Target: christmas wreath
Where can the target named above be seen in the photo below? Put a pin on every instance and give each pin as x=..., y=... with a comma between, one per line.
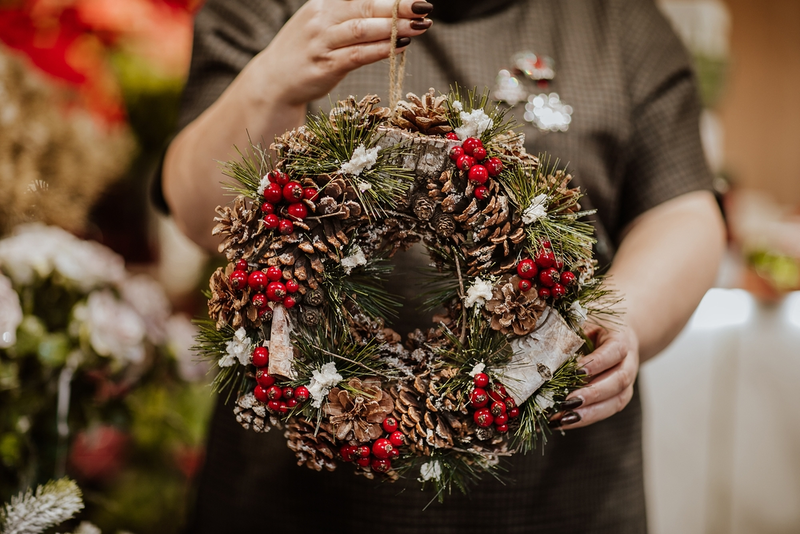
x=298, y=318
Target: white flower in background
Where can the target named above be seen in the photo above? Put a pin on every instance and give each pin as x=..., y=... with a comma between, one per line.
x=147, y=297
x=263, y=184
x=578, y=312
x=430, y=471
x=477, y=369
x=239, y=348
x=473, y=124
x=10, y=313
x=321, y=383
x=180, y=334
x=113, y=327
x=355, y=259
x=535, y=210
x=362, y=160
x=478, y=293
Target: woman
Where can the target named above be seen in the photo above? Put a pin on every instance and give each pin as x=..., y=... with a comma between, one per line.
x=633, y=144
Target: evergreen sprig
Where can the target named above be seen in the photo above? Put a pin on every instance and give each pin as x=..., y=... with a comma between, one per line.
x=459, y=470
x=34, y=512
x=472, y=100
x=248, y=171
x=211, y=345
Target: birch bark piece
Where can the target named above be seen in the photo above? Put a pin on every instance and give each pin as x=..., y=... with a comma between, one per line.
x=538, y=355
x=281, y=351
x=427, y=156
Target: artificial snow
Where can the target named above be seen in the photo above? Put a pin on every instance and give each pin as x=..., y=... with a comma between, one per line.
x=264, y=184
x=430, y=471
x=321, y=383
x=473, y=124
x=363, y=159
x=477, y=369
x=478, y=293
x=355, y=259
x=535, y=210
x=578, y=312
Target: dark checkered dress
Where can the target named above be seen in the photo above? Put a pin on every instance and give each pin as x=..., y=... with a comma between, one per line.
x=633, y=143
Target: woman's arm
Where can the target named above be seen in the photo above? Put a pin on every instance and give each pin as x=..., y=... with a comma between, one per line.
x=666, y=262
x=322, y=42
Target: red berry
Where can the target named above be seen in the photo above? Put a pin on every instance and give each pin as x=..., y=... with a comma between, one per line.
x=291, y=403
x=452, y=136
x=346, y=451
x=481, y=380
x=259, y=300
x=273, y=193
x=558, y=264
x=478, y=173
x=265, y=313
x=483, y=417
x=382, y=448
x=271, y=221
x=310, y=193
x=494, y=166
x=502, y=428
x=272, y=177
x=478, y=398
x=501, y=419
x=283, y=407
x=545, y=258
x=363, y=462
x=261, y=357
x=267, y=208
x=394, y=454
x=397, y=438
x=513, y=413
x=241, y=265
x=297, y=210
x=264, y=379
x=546, y=244
x=276, y=291
x=260, y=393
x=285, y=227
x=273, y=405
x=525, y=285
x=301, y=393
x=279, y=177
x=510, y=403
x=381, y=465
x=558, y=291
x=363, y=451
x=498, y=408
x=526, y=268
x=274, y=274
x=456, y=152
x=495, y=396
x=465, y=162
x=544, y=293
x=257, y=280
x=293, y=192
x=469, y=144
x=501, y=389
x=238, y=279
x=289, y=302
x=481, y=192
x=568, y=278
x=292, y=286
x=288, y=392
x=274, y=393
x=479, y=153
x=389, y=424
x=548, y=277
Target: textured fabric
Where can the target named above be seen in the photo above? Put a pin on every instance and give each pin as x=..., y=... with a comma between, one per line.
x=633, y=144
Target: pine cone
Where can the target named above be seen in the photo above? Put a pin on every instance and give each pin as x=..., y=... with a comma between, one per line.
x=314, y=449
x=358, y=415
x=229, y=306
x=427, y=115
x=250, y=413
x=241, y=226
x=364, y=112
x=512, y=311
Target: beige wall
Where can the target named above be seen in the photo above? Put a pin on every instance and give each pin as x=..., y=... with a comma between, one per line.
x=760, y=110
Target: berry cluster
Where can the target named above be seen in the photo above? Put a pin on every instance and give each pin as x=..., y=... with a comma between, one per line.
x=549, y=271
x=380, y=454
x=278, y=400
x=268, y=286
x=493, y=406
x=470, y=157
x=284, y=197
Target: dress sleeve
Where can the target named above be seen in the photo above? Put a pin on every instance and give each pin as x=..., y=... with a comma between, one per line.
x=664, y=158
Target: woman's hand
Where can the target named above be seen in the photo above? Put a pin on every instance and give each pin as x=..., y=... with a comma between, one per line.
x=612, y=369
x=326, y=39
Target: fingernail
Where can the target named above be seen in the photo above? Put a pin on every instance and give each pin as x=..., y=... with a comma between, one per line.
x=421, y=24
x=555, y=423
x=571, y=404
x=421, y=8
x=570, y=418
x=403, y=41
x=581, y=371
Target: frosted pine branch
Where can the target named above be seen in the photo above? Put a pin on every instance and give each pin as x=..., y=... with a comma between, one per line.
x=32, y=513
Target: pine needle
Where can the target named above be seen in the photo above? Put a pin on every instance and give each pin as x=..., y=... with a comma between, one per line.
x=34, y=512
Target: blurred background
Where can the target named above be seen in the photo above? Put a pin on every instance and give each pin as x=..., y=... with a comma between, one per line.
x=88, y=99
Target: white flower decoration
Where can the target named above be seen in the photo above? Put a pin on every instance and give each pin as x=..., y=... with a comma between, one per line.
x=362, y=160
x=263, y=184
x=355, y=259
x=535, y=210
x=478, y=293
x=477, y=369
x=322, y=382
x=430, y=471
x=473, y=124
x=10, y=313
x=147, y=297
x=239, y=348
x=113, y=327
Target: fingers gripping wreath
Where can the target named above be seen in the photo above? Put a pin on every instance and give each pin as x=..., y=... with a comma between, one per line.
x=298, y=318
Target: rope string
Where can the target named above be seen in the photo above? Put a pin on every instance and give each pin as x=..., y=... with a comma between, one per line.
x=396, y=69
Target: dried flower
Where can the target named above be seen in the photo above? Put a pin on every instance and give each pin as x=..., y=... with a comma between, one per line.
x=360, y=409
x=10, y=313
x=239, y=348
x=479, y=292
x=535, y=210
x=321, y=383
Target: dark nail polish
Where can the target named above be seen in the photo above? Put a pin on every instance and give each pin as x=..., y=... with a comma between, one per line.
x=421, y=8
x=555, y=423
x=571, y=404
x=570, y=417
x=420, y=24
x=581, y=371
x=403, y=41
